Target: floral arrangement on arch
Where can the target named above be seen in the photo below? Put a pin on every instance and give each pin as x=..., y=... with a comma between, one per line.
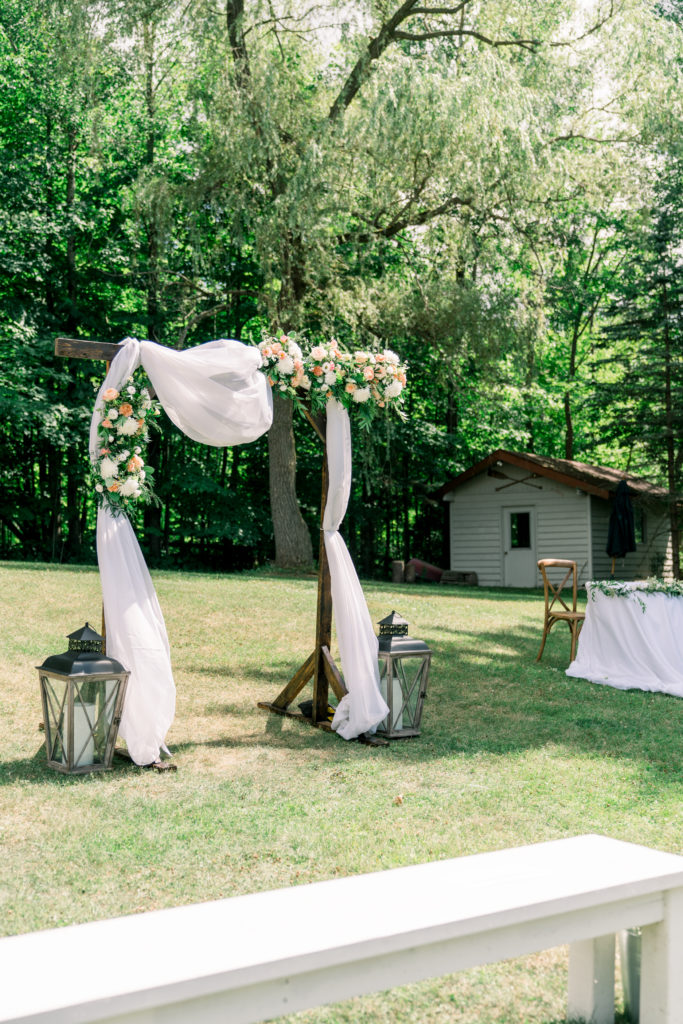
x=367, y=381
x=120, y=476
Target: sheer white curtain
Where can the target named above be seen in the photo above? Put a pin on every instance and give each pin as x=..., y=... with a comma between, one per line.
x=363, y=708
x=216, y=394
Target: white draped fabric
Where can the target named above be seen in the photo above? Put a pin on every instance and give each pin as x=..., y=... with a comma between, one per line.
x=630, y=647
x=363, y=708
x=217, y=395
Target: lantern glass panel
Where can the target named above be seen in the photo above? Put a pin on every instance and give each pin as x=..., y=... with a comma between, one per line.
x=55, y=691
x=392, y=695
x=410, y=672
x=403, y=682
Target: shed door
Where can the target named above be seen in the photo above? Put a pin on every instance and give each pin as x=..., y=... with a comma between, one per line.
x=519, y=547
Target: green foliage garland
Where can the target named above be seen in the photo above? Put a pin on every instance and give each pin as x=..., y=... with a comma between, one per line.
x=654, y=585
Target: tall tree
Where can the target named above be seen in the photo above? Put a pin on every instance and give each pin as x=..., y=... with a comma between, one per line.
x=645, y=367
x=340, y=138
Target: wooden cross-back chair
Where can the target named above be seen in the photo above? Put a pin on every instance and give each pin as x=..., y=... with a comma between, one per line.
x=556, y=608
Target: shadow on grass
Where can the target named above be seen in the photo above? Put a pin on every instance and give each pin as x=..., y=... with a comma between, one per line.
x=35, y=770
x=488, y=694
x=437, y=590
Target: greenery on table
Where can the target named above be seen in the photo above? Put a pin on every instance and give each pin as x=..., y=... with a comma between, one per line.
x=190, y=171
x=617, y=588
x=511, y=752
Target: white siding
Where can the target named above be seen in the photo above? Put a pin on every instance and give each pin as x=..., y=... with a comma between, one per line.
x=653, y=557
x=561, y=514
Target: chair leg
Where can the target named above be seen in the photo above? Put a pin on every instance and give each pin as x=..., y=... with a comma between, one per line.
x=546, y=630
x=574, y=626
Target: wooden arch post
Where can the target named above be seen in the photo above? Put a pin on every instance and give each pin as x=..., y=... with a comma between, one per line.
x=320, y=665
x=79, y=348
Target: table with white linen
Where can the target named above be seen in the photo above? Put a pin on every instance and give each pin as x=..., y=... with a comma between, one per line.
x=633, y=641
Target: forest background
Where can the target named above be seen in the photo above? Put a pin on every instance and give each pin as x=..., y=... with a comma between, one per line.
x=492, y=189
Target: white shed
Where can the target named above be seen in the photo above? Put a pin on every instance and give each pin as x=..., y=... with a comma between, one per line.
x=513, y=508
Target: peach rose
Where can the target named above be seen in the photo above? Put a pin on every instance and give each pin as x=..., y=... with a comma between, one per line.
x=113, y=486
x=135, y=463
x=107, y=423
x=126, y=409
x=110, y=394
x=318, y=371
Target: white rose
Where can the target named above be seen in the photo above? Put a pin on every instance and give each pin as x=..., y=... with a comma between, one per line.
x=137, y=449
x=294, y=350
x=130, y=390
x=127, y=426
x=325, y=387
x=361, y=394
x=389, y=356
x=128, y=487
x=318, y=352
x=113, y=414
x=305, y=383
x=286, y=366
x=394, y=389
x=108, y=468
x=142, y=474
x=99, y=488
x=331, y=378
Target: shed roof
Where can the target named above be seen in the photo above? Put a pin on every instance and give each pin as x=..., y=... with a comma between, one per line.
x=599, y=480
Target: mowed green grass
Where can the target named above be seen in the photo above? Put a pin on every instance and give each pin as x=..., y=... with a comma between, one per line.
x=511, y=752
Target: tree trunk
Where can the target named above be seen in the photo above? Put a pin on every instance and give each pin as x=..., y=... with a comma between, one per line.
x=670, y=445
x=293, y=548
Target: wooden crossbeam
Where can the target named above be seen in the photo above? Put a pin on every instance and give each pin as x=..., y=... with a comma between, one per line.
x=82, y=348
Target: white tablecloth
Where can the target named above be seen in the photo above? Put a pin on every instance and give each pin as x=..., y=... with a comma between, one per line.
x=625, y=645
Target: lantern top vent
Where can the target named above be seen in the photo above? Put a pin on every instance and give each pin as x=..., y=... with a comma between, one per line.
x=86, y=639
x=393, y=625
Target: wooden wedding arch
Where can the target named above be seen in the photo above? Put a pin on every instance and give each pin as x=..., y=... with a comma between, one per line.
x=320, y=666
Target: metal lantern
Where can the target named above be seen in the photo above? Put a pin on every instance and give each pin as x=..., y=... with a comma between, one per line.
x=82, y=692
x=403, y=675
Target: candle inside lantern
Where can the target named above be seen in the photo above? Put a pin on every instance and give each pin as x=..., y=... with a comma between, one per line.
x=84, y=744
x=395, y=704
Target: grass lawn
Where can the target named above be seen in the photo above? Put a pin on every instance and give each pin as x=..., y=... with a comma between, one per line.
x=511, y=752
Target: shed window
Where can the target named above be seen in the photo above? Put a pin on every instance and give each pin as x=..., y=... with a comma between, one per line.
x=520, y=530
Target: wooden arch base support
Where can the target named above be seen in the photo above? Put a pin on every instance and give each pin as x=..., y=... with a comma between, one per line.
x=319, y=665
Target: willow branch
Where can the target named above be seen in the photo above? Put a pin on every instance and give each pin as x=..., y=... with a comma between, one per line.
x=590, y=31
x=416, y=37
